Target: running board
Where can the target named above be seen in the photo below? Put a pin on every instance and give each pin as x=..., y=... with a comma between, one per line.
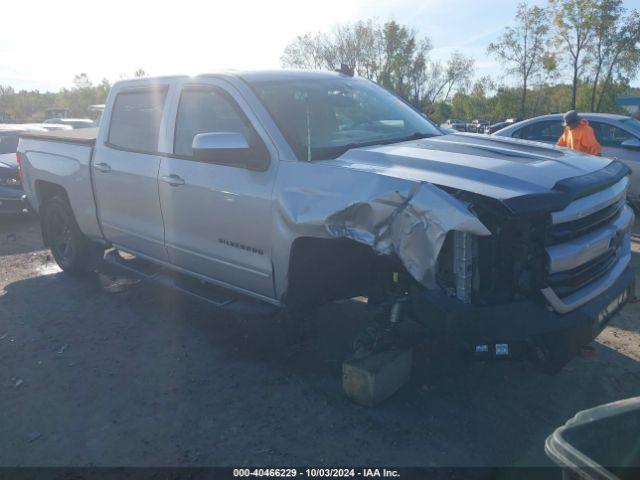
x=213, y=295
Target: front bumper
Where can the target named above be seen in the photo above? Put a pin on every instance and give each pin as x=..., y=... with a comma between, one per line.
x=12, y=201
x=525, y=328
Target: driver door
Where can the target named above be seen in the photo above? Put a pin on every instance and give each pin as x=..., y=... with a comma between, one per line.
x=218, y=217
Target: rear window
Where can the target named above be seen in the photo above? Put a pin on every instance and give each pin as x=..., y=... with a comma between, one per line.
x=135, y=120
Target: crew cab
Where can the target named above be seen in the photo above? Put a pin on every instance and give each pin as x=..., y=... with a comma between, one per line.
x=293, y=188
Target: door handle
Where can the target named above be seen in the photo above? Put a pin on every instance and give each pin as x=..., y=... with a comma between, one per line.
x=173, y=180
x=102, y=167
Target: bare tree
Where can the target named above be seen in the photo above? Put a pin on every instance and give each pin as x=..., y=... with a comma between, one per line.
x=522, y=47
x=456, y=75
x=574, y=22
x=306, y=52
x=390, y=54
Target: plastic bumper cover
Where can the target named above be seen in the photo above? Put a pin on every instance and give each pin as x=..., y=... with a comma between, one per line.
x=12, y=200
x=521, y=325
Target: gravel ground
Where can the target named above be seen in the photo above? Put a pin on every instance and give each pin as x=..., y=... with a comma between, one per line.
x=106, y=371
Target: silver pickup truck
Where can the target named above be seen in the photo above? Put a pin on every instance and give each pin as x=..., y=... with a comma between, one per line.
x=295, y=188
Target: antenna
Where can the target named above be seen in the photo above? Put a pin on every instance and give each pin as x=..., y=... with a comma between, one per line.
x=345, y=70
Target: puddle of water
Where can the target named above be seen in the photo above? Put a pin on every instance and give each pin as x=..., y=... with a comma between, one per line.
x=117, y=284
x=49, y=269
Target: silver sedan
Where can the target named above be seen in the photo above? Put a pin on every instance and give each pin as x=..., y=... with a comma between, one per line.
x=618, y=135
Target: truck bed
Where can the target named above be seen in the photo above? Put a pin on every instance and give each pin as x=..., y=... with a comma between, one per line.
x=84, y=136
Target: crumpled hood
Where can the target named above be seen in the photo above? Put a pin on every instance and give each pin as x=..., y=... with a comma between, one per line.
x=495, y=167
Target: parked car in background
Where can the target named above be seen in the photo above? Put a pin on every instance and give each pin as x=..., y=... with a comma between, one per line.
x=455, y=124
x=494, y=127
x=72, y=122
x=500, y=125
x=11, y=194
x=97, y=111
x=477, y=126
x=49, y=127
x=619, y=136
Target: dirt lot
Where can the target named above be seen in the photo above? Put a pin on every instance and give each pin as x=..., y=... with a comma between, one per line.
x=106, y=371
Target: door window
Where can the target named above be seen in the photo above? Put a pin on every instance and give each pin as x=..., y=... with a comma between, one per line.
x=209, y=110
x=608, y=135
x=548, y=131
x=135, y=120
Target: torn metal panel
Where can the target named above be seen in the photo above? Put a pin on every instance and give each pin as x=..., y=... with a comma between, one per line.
x=412, y=225
x=398, y=216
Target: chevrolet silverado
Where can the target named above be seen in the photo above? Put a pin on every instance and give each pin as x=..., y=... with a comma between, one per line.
x=291, y=188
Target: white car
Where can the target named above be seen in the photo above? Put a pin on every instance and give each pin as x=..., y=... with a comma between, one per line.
x=71, y=122
x=619, y=136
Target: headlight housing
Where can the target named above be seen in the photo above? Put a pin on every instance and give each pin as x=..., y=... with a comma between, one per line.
x=10, y=180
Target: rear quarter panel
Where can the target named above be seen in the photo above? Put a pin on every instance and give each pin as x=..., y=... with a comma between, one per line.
x=65, y=164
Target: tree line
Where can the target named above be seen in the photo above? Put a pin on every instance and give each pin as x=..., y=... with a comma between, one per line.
x=594, y=45
x=31, y=105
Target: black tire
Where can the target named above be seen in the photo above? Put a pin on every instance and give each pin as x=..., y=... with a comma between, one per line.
x=72, y=251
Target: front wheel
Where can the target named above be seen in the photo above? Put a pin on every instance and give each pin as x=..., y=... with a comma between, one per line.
x=72, y=251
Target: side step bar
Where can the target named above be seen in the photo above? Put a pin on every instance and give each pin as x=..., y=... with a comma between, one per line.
x=211, y=294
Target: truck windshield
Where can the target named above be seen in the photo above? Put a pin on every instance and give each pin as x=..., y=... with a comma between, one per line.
x=322, y=119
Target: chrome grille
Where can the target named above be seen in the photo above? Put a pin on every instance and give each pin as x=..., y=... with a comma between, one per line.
x=588, y=247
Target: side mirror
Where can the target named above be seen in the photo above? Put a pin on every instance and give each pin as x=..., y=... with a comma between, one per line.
x=227, y=148
x=632, y=143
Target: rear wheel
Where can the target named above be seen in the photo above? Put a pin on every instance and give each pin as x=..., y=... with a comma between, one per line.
x=72, y=251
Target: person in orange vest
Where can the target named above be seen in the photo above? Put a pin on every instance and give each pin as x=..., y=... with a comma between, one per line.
x=578, y=135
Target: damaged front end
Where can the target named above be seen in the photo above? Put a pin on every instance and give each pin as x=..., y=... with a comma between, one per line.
x=412, y=226
x=465, y=266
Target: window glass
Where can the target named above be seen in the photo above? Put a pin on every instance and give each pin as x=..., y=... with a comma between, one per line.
x=207, y=110
x=634, y=123
x=608, y=135
x=135, y=120
x=9, y=143
x=322, y=119
x=549, y=131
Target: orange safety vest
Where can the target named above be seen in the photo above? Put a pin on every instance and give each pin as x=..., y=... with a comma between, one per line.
x=581, y=138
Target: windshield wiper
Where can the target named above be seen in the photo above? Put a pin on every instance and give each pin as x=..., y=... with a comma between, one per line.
x=335, y=152
x=413, y=136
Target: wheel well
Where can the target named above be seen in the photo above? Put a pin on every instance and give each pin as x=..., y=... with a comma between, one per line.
x=48, y=190
x=322, y=270
x=44, y=192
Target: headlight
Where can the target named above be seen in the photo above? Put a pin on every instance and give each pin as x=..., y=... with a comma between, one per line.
x=10, y=181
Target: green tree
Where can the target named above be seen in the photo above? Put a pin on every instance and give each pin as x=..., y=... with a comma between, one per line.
x=616, y=49
x=522, y=47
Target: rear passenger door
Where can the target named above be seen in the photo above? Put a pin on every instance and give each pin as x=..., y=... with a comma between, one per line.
x=125, y=171
x=611, y=138
x=218, y=217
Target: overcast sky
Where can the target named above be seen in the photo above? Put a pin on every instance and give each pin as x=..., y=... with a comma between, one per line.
x=44, y=43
